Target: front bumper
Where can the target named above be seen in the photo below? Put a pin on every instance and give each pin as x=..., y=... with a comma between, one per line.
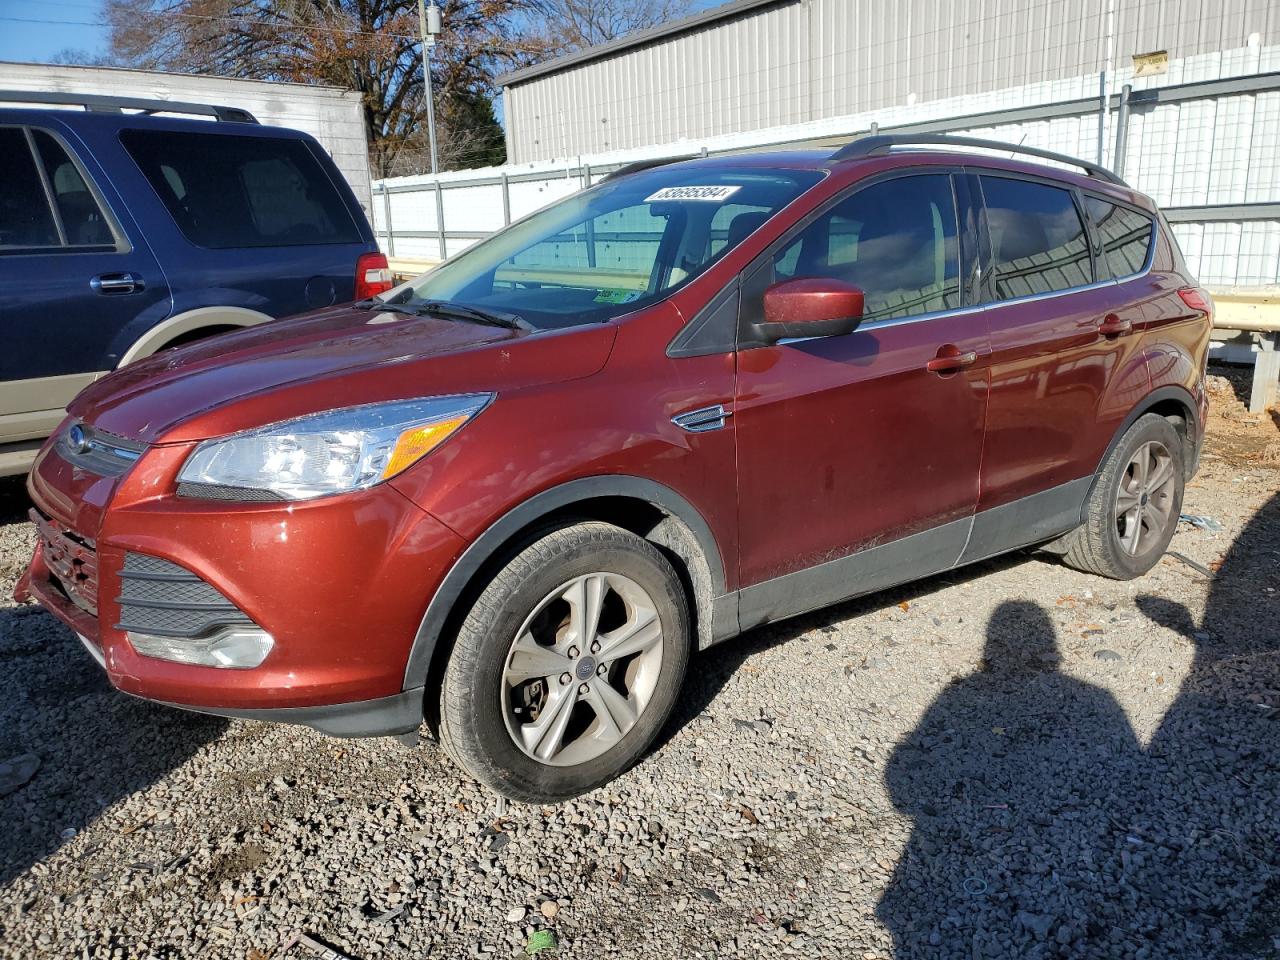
x=399, y=715
x=340, y=583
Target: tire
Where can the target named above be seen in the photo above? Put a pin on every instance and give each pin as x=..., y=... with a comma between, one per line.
x=538, y=738
x=1106, y=543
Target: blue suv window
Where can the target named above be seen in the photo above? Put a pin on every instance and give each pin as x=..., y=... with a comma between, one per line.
x=45, y=203
x=227, y=191
x=82, y=219
x=26, y=221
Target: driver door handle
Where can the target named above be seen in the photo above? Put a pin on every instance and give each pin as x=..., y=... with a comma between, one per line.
x=950, y=359
x=116, y=283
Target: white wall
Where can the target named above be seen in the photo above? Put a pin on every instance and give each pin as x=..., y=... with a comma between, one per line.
x=796, y=62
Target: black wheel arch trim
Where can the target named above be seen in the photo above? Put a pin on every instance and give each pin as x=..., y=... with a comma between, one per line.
x=1179, y=393
x=485, y=546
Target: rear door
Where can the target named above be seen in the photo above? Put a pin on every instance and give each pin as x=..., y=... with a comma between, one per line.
x=73, y=274
x=1065, y=364
x=258, y=220
x=858, y=464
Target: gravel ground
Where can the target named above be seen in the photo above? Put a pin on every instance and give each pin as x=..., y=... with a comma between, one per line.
x=1014, y=760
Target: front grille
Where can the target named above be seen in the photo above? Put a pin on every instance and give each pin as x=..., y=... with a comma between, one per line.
x=72, y=561
x=98, y=451
x=161, y=598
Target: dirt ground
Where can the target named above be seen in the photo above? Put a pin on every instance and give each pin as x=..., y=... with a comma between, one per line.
x=1010, y=760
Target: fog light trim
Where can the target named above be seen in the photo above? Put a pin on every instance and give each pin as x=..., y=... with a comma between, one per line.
x=231, y=648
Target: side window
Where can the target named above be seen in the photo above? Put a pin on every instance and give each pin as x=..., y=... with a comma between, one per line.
x=1038, y=244
x=228, y=190
x=1126, y=235
x=82, y=218
x=25, y=218
x=896, y=240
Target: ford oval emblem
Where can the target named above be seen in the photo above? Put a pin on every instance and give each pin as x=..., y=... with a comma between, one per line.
x=77, y=439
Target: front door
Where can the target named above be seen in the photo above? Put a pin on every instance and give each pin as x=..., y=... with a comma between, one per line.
x=70, y=281
x=859, y=455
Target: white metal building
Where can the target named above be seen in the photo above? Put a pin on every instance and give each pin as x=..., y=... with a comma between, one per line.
x=750, y=64
x=332, y=115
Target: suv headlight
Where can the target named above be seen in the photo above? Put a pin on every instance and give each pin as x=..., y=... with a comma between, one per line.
x=325, y=453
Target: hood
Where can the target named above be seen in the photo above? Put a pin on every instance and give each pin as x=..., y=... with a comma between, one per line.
x=324, y=360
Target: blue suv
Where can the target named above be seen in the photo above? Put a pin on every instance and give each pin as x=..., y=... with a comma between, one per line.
x=123, y=233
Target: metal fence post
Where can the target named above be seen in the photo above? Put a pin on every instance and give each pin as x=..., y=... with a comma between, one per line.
x=506, y=200
x=1122, y=129
x=586, y=175
x=444, y=253
x=386, y=217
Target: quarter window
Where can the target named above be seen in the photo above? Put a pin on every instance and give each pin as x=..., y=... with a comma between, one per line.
x=1038, y=243
x=1125, y=234
x=26, y=221
x=896, y=241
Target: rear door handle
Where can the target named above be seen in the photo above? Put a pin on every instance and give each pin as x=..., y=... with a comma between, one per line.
x=116, y=283
x=1113, y=326
x=950, y=359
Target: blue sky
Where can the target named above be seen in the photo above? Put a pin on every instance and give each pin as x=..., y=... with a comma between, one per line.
x=60, y=25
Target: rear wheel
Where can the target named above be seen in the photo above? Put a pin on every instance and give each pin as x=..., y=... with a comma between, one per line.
x=567, y=665
x=1133, y=510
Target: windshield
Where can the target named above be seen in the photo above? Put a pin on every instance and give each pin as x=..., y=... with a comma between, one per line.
x=614, y=248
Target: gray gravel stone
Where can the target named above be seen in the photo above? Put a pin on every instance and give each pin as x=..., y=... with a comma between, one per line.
x=961, y=778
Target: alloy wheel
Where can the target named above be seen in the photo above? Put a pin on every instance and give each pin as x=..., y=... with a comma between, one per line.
x=582, y=669
x=1145, y=498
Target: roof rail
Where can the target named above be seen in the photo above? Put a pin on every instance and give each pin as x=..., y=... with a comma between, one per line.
x=880, y=144
x=97, y=103
x=640, y=165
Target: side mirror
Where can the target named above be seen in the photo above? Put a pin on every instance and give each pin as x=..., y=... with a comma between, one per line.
x=810, y=307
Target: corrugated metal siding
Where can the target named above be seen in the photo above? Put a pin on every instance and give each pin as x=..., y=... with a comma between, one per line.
x=811, y=59
x=331, y=115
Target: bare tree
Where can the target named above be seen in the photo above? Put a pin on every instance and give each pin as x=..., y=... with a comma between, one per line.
x=569, y=25
x=370, y=46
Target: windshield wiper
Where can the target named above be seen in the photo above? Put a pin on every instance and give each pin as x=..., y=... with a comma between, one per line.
x=462, y=311
x=373, y=303
x=453, y=311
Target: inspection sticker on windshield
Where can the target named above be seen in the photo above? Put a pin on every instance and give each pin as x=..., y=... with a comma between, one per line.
x=713, y=193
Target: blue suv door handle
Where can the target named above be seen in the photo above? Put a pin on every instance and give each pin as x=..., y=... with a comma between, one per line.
x=116, y=283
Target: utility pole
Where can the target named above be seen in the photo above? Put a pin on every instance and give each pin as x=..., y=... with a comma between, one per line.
x=429, y=23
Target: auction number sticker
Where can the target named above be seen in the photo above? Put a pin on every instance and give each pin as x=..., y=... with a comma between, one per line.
x=713, y=193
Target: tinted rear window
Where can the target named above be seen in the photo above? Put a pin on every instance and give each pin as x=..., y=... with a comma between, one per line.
x=1038, y=244
x=229, y=191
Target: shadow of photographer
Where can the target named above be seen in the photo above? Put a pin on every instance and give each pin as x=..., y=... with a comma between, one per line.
x=1041, y=828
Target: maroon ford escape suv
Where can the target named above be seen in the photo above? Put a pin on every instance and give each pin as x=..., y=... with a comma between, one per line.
x=512, y=497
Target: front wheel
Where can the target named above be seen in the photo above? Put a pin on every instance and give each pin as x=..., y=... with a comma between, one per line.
x=1132, y=512
x=567, y=665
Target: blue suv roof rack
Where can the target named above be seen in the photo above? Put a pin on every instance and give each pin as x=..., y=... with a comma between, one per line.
x=97, y=103
x=880, y=144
